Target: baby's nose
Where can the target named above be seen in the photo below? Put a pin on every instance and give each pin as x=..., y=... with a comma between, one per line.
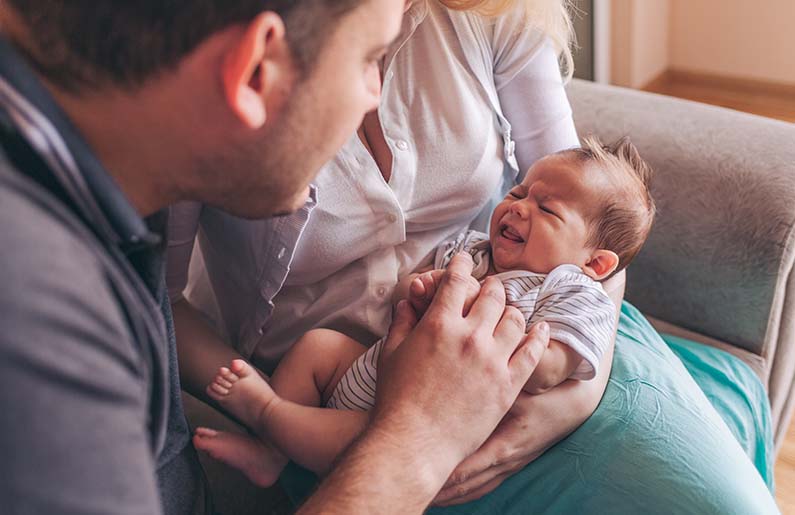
x=520, y=209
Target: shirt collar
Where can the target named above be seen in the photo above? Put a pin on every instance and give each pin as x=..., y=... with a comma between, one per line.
x=416, y=13
x=411, y=20
x=311, y=199
x=50, y=133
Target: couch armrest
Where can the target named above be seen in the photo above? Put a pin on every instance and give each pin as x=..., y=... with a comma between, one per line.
x=719, y=259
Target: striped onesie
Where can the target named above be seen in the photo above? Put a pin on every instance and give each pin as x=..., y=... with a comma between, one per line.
x=577, y=309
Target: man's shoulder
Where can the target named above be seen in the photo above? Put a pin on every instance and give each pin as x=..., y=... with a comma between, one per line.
x=51, y=273
x=37, y=231
x=70, y=372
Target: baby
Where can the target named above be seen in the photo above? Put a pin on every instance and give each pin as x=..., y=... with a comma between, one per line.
x=578, y=217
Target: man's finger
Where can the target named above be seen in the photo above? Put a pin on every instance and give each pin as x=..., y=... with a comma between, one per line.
x=452, y=292
x=481, y=461
x=510, y=330
x=526, y=358
x=479, y=467
x=403, y=323
x=489, y=306
x=468, y=493
x=431, y=281
x=492, y=460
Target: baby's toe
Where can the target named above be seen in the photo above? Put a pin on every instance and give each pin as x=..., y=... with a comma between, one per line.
x=227, y=375
x=241, y=368
x=217, y=390
x=223, y=382
x=205, y=432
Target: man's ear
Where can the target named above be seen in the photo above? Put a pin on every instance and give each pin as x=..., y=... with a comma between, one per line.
x=252, y=67
x=601, y=265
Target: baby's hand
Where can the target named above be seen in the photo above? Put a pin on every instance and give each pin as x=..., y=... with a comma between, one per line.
x=423, y=288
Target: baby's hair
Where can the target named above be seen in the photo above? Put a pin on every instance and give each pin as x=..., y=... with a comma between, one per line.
x=627, y=212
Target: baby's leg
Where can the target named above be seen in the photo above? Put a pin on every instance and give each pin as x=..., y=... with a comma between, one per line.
x=306, y=375
x=310, y=371
x=259, y=460
x=313, y=437
x=312, y=366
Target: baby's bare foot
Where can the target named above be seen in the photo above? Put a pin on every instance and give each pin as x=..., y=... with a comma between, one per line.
x=260, y=462
x=244, y=393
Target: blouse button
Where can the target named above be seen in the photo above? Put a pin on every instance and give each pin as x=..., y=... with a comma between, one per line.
x=282, y=252
x=401, y=145
x=391, y=218
x=381, y=291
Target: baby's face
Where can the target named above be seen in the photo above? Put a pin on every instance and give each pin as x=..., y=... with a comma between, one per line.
x=543, y=222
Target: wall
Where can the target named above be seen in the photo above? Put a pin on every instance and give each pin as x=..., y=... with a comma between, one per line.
x=752, y=39
x=639, y=41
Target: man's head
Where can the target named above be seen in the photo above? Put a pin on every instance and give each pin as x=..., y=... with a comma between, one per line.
x=589, y=206
x=261, y=92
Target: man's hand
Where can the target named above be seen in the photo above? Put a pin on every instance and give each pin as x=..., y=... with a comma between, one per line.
x=423, y=288
x=445, y=384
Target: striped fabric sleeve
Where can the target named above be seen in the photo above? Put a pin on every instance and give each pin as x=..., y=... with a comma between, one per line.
x=580, y=315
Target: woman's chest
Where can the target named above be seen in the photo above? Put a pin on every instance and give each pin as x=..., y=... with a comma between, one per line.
x=445, y=150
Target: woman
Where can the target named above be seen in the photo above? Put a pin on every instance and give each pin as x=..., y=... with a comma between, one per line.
x=470, y=98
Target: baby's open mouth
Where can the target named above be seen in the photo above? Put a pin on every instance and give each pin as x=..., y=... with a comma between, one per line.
x=510, y=234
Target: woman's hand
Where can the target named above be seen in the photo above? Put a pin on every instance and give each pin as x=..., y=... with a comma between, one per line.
x=534, y=424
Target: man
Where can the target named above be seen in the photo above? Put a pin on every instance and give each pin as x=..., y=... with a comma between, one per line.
x=110, y=112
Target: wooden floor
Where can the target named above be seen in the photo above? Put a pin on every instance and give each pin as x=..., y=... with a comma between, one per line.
x=785, y=474
x=775, y=103
x=743, y=95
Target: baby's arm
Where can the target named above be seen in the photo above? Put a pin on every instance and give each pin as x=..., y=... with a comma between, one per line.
x=581, y=319
x=557, y=364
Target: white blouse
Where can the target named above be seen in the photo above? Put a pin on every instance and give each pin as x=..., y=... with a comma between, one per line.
x=448, y=80
x=449, y=154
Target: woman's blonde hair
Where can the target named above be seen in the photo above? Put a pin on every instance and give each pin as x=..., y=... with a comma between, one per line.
x=552, y=17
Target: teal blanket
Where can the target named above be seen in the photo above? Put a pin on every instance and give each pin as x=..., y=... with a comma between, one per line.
x=682, y=428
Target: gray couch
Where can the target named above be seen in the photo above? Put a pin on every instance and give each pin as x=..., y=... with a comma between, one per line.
x=717, y=267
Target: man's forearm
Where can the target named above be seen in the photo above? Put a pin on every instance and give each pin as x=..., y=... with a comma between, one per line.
x=381, y=473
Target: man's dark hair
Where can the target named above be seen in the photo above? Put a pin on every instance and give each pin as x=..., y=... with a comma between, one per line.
x=93, y=43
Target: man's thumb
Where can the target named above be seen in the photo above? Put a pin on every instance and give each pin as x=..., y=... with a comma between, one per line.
x=403, y=322
x=526, y=358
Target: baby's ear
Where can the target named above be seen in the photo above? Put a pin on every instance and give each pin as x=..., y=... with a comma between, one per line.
x=601, y=265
